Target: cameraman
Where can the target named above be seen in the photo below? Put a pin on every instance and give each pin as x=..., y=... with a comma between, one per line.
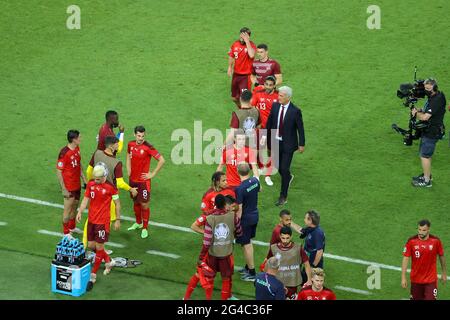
x=433, y=112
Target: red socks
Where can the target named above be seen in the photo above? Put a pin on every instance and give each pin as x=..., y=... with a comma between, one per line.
x=100, y=255
x=72, y=224
x=226, y=289
x=145, y=217
x=191, y=286
x=66, y=228
x=137, y=213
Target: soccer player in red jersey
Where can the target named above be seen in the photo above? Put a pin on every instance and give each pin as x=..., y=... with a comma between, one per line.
x=285, y=221
x=221, y=228
x=69, y=172
x=139, y=155
x=292, y=256
x=265, y=67
x=219, y=185
x=99, y=193
x=263, y=99
x=231, y=157
x=240, y=61
x=423, y=249
x=316, y=291
x=112, y=121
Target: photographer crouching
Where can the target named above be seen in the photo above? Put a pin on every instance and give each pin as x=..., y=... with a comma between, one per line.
x=433, y=113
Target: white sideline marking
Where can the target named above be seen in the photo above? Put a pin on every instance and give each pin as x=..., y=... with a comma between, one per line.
x=3, y=223
x=259, y=243
x=164, y=254
x=162, y=225
x=364, y=292
x=59, y=234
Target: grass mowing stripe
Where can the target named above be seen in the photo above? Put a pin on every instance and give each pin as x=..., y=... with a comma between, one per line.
x=59, y=234
x=118, y=270
x=163, y=254
x=364, y=292
x=3, y=223
x=260, y=243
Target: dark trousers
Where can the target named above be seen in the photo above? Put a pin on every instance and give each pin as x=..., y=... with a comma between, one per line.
x=284, y=168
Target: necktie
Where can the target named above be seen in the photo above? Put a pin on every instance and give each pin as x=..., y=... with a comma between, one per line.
x=280, y=123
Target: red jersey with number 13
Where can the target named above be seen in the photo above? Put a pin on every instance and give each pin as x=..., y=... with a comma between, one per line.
x=423, y=254
x=140, y=156
x=69, y=165
x=263, y=102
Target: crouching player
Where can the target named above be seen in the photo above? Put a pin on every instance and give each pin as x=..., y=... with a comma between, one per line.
x=221, y=228
x=99, y=193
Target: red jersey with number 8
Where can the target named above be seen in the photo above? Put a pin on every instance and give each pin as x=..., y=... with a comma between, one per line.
x=242, y=61
x=140, y=156
x=69, y=165
x=100, y=196
x=423, y=254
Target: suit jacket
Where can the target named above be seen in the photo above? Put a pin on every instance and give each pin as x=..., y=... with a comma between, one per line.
x=293, y=131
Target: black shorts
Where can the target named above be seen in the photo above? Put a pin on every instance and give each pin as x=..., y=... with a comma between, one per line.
x=427, y=146
x=248, y=233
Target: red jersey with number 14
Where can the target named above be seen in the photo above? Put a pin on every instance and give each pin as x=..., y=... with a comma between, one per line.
x=69, y=164
x=308, y=293
x=423, y=254
x=100, y=196
x=140, y=155
x=263, y=102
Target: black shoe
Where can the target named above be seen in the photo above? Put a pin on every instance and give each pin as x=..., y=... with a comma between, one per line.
x=422, y=183
x=421, y=176
x=281, y=201
x=90, y=285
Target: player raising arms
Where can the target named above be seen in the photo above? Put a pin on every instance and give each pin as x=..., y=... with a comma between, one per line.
x=69, y=171
x=139, y=155
x=99, y=193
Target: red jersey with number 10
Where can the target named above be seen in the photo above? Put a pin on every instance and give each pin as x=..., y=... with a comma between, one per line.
x=263, y=102
x=140, y=155
x=69, y=164
x=242, y=62
x=423, y=254
x=100, y=196
x=308, y=293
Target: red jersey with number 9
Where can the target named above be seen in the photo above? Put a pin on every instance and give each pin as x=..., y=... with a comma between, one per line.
x=69, y=164
x=423, y=254
x=100, y=196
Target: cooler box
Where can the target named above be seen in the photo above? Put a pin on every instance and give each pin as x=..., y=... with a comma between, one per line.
x=70, y=279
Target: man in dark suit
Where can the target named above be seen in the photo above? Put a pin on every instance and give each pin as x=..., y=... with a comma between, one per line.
x=285, y=127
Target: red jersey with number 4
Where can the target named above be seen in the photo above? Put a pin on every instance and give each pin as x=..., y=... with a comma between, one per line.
x=308, y=293
x=423, y=254
x=69, y=162
x=263, y=102
x=100, y=196
x=242, y=61
x=232, y=157
x=209, y=197
x=140, y=155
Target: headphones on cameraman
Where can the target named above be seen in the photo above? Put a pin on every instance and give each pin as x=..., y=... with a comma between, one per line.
x=435, y=86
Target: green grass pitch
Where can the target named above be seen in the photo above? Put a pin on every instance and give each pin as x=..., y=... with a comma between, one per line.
x=163, y=64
